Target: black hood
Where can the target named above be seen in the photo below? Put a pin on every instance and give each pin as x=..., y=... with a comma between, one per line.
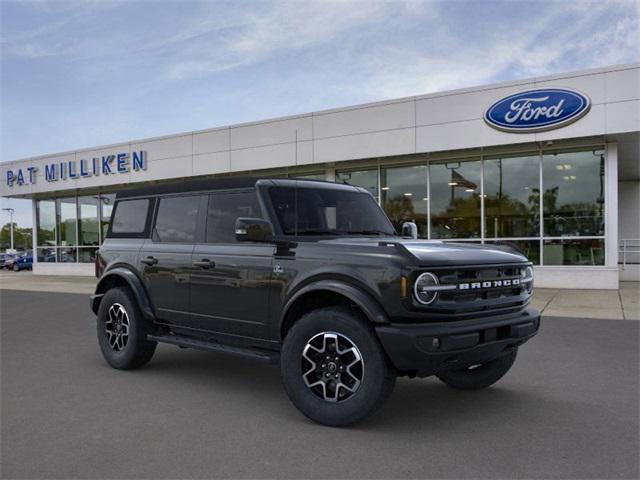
x=437, y=253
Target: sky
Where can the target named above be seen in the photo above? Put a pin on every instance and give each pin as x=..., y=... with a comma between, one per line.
x=86, y=73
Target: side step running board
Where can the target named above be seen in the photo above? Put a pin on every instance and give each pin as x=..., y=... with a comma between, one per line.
x=188, y=342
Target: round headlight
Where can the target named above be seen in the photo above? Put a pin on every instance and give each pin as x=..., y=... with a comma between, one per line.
x=425, y=289
x=527, y=278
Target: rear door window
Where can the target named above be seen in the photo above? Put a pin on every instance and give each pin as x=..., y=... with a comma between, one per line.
x=176, y=220
x=130, y=216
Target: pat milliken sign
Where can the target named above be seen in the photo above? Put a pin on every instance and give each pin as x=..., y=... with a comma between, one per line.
x=537, y=110
x=115, y=164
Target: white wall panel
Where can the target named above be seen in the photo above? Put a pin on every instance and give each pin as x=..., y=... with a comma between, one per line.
x=361, y=120
x=379, y=144
x=623, y=85
x=623, y=116
x=166, y=147
x=166, y=168
x=263, y=157
x=592, y=85
x=271, y=133
x=212, y=141
x=469, y=134
x=211, y=163
x=461, y=107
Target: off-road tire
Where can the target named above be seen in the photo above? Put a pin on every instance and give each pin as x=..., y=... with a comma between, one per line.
x=481, y=376
x=138, y=350
x=378, y=377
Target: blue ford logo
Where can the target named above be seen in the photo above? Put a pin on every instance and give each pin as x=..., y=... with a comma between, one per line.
x=537, y=110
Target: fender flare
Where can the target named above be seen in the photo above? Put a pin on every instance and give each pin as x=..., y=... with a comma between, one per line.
x=134, y=283
x=371, y=308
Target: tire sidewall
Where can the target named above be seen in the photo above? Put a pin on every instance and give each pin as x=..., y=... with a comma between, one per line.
x=137, y=332
x=376, y=368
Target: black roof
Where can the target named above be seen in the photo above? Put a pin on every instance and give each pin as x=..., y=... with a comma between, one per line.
x=197, y=185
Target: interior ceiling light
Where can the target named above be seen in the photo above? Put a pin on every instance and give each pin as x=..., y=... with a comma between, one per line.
x=386, y=188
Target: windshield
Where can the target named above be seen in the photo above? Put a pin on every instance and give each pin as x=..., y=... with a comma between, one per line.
x=328, y=211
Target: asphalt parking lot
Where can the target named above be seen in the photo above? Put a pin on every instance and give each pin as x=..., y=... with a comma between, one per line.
x=568, y=409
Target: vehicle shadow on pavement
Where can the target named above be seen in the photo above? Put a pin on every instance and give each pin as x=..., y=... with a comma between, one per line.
x=420, y=403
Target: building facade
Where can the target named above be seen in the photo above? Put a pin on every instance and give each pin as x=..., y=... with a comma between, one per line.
x=550, y=165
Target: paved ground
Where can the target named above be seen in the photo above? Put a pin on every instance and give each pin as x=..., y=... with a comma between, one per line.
x=610, y=304
x=568, y=409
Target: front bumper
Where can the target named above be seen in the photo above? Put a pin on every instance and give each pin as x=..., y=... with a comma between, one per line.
x=427, y=348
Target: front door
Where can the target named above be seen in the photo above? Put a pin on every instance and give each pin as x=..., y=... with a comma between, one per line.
x=165, y=259
x=230, y=281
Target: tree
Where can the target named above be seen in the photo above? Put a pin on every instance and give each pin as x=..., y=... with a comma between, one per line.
x=22, y=237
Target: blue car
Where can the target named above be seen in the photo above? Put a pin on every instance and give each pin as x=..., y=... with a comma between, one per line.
x=23, y=262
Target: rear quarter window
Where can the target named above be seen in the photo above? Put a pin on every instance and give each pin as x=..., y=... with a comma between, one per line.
x=130, y=217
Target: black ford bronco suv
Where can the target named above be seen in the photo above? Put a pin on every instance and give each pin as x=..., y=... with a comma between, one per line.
x=310, y=275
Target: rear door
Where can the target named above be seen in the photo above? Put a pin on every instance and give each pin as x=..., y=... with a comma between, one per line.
x=165, y=259
x=230, y=280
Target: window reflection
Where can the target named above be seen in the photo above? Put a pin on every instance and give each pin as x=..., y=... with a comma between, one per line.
x=405, y=198
x=574, y=252
x=106, y=203
x=455, y=200
x=365, y=178
x=46, y=222
x=88, y=221
x=67, y=221
x=573, y=198
x=512, y=197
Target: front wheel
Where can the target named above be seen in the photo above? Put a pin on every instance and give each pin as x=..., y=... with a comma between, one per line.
x=122, y=331
x=477, y=377
x=16, y=268
x=333, y=367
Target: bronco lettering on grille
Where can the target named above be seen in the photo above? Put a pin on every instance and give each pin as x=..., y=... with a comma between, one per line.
x=510, y=282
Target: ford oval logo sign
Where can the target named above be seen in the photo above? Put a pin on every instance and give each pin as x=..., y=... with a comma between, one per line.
x=537, y=110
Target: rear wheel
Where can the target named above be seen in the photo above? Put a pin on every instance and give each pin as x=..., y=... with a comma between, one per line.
x=122, y=331
x=333, y=367
x=477, y=377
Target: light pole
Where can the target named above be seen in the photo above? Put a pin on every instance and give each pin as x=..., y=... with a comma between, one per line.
x=11, y=211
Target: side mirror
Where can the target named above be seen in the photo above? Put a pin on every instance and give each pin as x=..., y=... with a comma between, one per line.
x=409, y=229
x=253, y=230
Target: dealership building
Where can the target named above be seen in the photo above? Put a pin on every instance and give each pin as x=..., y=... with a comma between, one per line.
x=550, y=165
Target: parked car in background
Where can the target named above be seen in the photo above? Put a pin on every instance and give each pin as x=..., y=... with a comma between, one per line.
x=7, y=259
x=23, y=262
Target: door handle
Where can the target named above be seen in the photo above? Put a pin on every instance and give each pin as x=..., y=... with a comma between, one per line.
x=149, y=261
x=204, y=263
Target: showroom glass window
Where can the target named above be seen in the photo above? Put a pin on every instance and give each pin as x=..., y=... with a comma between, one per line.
x=455, y=199
x=88, y=228
x=573, y=207
x=405, y=197
x=573, y=197
x=67, y=229
x=106, y=209
x=363, y=178
x=512, y=196
x=46, y=230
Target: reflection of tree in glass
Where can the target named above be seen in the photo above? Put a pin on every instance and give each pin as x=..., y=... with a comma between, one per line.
x=461, y=219
x=399, y=210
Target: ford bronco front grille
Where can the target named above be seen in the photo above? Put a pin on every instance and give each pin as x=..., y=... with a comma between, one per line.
x=483, y=290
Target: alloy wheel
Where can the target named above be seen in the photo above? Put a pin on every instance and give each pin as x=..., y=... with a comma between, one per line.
x=333, y=366
x=117, y=327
